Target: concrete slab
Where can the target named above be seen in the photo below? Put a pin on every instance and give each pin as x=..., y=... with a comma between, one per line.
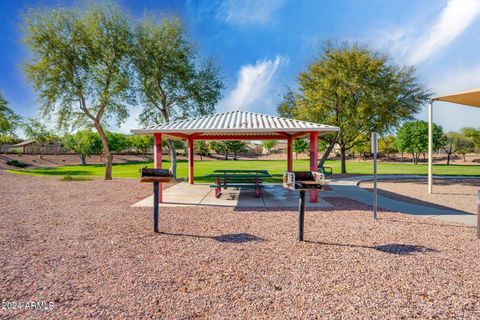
x=184, y=194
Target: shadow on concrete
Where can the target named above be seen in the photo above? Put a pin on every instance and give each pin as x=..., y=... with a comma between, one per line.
x=394, y=248
x=415, y=201
x=226, y=238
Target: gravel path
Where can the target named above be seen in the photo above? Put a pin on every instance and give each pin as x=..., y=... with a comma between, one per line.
x=81, y=246
x=455, y=194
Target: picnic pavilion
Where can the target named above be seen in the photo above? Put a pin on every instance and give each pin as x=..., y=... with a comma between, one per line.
x=238, y=125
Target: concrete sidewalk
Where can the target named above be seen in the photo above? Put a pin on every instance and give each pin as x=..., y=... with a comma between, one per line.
x=349, y=187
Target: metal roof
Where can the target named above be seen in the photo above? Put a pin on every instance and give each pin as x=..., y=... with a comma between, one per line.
x=237, y=123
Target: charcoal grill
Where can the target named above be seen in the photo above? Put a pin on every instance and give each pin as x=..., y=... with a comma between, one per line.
x=155, y=176
x=302, y=181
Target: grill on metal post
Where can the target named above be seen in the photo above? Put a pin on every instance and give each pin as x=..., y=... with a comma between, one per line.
x=303, y=181
x=155, y=176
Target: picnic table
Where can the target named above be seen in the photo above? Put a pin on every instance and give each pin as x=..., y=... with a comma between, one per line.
x=238, y=179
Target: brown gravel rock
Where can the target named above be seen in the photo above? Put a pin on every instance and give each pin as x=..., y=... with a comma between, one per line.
x=81, y=245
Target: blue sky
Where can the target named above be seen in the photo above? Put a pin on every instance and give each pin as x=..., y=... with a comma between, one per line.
x=261, y=46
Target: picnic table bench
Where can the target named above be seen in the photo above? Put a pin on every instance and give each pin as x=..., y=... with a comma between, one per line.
x=238, y=179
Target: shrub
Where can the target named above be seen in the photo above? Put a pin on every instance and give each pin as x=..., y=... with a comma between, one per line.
x=16, y=163
x=15, y=150
x=73, y=178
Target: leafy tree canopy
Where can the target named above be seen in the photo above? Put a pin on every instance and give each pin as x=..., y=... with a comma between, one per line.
x=9, y=121
x=84, y=143
x=269, y=145
x=172, y=82
x=413, y=138
x=81, y=66
x=358, y=90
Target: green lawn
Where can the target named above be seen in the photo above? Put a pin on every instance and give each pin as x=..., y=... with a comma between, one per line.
x=276, y=167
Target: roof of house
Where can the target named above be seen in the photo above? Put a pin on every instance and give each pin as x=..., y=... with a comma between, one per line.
x=24, y=143
x=237, y=123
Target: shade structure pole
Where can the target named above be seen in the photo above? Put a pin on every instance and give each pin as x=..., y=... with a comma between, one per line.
x=314, y=162
x=190, y=161
x=430, y=145
x=157, y=161
x=289, y=154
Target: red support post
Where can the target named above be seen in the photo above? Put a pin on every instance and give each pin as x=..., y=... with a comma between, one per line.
x=289, y=154
x=314, y=162
x=190, y=161
x=157, y=160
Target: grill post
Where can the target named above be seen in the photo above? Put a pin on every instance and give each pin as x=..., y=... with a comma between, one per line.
x=155, y=206
x=301, y=215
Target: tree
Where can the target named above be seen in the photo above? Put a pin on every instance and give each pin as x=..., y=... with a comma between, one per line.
x=117, y=142
x=386, y=145
x=219, y=147
x=269, y=145
x=356, y=89
x=9, y=121
x=286, y=108
x=200, y=147
x=80, y=66
x=300, y=146
x=363, y=148
x=9, y=139
x=472, y=134
x=456, y=143
x=413, y=138
x=141, y=142
x=236, y=147
x=84, y=143
x=171, y=81
x=36, y=130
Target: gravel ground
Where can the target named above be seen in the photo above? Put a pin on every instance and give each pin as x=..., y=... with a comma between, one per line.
x=81, y=246
x=447, y=193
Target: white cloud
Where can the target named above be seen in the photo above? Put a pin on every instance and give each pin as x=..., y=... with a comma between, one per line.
x=459, y=79
x=453, y=20
x=252, y=85
x=247, y=12
x=416, y=42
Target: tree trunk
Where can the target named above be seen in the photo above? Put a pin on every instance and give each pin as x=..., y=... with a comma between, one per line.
x=226, y=155
x=448, y=159
x=401, y=157
x=326, y=154
x=106, y=151
x=464, y=158
x=342, y=160
x=83, y=159
x=173, y=157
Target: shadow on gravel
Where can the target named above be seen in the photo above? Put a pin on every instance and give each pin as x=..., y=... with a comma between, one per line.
x=394, y=248
x=403, y=249
x=228, y=238
x=237, y=238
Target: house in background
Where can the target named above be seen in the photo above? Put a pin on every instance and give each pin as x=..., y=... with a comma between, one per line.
x=254, y=149
x=279, y=148
x=32, y=147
